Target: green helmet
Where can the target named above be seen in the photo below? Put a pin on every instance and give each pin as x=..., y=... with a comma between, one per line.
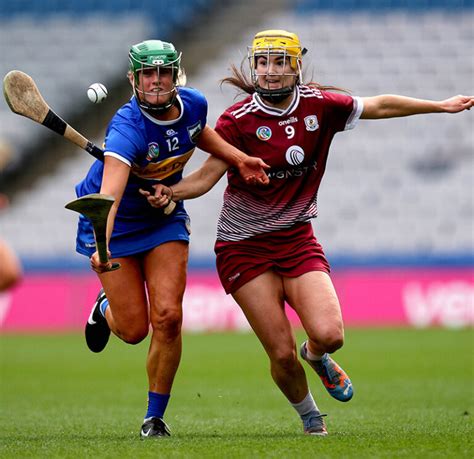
x=155, y=54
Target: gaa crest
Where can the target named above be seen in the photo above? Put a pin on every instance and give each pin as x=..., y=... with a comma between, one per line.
x=153, y=151
x=264, y=133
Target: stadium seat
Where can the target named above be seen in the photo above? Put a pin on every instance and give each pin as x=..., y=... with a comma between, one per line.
x=401, y=186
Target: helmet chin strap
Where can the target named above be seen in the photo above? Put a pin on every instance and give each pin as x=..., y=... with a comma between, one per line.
x=274, y=96
x=155, y=109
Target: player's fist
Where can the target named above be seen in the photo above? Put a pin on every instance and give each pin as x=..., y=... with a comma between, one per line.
x=161, y=196
x=98, y=266
x=457, y=104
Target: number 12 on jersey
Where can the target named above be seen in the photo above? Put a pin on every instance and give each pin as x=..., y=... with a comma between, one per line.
x=173, y=144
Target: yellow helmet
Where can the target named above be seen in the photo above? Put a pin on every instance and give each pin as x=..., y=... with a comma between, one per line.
x=279, y=41
x=283, y=43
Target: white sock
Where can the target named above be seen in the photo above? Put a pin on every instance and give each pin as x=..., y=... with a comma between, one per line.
x=307, y=405
x=312, y=356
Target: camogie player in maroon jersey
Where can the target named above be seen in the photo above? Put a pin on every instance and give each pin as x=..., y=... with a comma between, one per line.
x=266, y=251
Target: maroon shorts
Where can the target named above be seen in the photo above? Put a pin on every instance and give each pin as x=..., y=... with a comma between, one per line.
x=290, y=252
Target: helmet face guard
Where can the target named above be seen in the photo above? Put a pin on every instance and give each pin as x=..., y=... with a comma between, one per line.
x=276, y=43
x=157, y=55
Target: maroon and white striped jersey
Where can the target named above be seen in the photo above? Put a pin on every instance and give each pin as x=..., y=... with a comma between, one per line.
x=295, y=143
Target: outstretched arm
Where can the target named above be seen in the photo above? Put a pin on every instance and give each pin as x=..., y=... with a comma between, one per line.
x=250, y=168
x=392, y=106
x=192, y=186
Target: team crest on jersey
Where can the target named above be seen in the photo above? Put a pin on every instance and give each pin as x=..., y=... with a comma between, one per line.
x=194, y=131
x=294, y=155
x=153, y=151
x=311, y=122
x=264, y=133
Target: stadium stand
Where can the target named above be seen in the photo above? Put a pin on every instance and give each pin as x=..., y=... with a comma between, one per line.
x=67, y=45
x=394, y=190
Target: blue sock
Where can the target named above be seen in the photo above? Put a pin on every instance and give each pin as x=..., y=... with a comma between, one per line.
x=103, y=306
x=157, y=404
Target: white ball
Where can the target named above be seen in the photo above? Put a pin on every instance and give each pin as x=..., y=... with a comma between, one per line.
x=96, y=93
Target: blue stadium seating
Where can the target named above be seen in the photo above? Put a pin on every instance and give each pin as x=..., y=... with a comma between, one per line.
x=403, y=189
x=381, y=5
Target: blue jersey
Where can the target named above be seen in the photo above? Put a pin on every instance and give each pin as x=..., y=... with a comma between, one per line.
x=156, y=152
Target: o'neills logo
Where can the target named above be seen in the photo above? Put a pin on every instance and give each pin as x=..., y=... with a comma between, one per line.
x=264, y=133
x=292, y=119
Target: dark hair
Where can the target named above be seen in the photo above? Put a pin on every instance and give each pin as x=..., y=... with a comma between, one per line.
x=242, y=82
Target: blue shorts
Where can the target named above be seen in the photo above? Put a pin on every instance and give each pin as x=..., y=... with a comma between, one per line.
x=176, y=228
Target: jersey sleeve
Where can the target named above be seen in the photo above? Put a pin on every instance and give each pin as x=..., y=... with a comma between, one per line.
x=201, y=103
x=226, y=127
x=123, y=141
x=195, y=102
x=342, y=110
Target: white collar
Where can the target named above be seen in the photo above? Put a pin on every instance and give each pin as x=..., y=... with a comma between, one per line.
x=278, y=111
x=163, y=122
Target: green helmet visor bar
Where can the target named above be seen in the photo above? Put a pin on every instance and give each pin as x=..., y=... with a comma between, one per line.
x=138, y=63
x=159, y=56
x=159, y=65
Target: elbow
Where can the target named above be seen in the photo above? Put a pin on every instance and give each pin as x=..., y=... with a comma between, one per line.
x=11, y=271
x=10, y=278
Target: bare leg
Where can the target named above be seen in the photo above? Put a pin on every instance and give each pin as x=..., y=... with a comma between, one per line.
x=313, y=297
x=127, y=314
x=165, y=271
x=262, y=302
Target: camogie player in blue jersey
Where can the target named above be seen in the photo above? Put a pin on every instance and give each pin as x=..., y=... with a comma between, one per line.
x=148, y=142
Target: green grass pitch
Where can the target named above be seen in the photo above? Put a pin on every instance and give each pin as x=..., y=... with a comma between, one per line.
x=413, y=398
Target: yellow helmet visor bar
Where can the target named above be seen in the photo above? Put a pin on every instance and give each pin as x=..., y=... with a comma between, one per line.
x=276, y=42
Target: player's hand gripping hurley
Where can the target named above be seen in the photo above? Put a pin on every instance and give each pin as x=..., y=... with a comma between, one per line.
x=24, y=98
x=96, y=208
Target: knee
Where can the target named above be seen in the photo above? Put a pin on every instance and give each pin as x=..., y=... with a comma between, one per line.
x=168, y=323
x=334, y=343
x=284, y=359
x=133, y=335
x=330, y=339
